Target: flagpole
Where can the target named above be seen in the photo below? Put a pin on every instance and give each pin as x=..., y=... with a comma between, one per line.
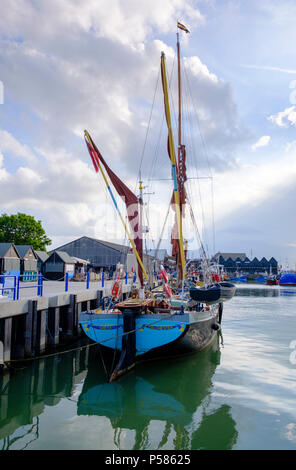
x=87, y=136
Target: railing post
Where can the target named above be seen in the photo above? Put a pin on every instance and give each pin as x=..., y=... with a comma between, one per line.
x=87, y=280
x=14, y=288
x=66, y=282
x=18, y=288
x=39, y=285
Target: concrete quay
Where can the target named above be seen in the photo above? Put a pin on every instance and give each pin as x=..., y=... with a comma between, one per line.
x=33, y=325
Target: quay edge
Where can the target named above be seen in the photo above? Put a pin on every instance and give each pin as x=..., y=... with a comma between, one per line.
x=31, y=327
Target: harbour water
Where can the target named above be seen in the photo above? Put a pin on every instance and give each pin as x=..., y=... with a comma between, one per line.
x=240, y=393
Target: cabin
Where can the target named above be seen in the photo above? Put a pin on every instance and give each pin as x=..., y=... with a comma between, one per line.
x=57, y=265
x=9, y=259
x=28, y=264
x=41, y=258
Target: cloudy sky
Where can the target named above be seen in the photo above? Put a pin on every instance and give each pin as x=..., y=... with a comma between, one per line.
x=67, y=65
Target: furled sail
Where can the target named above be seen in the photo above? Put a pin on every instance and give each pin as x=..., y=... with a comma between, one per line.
x=178, y=197
x=129, y=198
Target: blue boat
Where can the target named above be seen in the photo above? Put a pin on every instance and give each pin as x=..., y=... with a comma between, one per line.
x=137, y=328
x=261, y=279
x=288, y=279
x=239, y=279
x=141, y=326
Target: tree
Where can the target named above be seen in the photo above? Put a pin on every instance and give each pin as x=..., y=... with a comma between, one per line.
x=23, y=229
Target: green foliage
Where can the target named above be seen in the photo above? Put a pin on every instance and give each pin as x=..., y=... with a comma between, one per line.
x=23, y=229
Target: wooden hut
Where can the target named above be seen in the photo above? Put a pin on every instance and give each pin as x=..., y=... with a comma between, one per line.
x=28, y=265
x=57, y=265
x=9, y=259
x=41, y=258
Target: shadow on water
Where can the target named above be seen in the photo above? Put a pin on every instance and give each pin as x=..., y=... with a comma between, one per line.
x=174, y=395
x=173, y=392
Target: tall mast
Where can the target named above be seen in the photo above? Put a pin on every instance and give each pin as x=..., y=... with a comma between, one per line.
x=179, y=97
x=173, y=162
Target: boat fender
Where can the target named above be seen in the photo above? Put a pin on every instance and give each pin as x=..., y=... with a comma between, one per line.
x=167, y=290
x=216, y=326
x=163, y=274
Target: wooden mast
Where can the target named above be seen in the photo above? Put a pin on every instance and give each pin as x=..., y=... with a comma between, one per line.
x=180, y=150
x=173, y=161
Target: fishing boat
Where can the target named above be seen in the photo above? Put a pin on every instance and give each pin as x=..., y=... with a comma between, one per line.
x=271, y=281
x=150, y=321
x=287, y=279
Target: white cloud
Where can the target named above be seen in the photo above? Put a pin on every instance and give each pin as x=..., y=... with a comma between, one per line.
x=9, y=144
x=262, y=142
x=284, y=118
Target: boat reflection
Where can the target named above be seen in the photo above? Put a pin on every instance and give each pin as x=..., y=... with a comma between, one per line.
x=287, y=291
x=175, y=393
x=265, y=291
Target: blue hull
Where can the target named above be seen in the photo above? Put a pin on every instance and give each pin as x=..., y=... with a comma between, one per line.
x=152, y=331
x=288, y=279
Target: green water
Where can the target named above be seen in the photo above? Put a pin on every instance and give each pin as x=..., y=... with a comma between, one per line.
x=238, y=394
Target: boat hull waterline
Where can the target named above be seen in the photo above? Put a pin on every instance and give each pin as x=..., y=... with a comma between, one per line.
x=152, y=333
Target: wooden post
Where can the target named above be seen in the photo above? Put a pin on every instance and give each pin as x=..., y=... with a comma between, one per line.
x=7, y=339
x=31, y=329
x=71, y=315
x=99, y=296
x=42, y=331
x=54, y=324
x=77, y=313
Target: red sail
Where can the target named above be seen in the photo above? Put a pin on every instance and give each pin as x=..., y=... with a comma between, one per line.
x=130, y=199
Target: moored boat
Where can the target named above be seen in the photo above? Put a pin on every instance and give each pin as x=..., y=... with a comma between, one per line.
x=214, y=293
x=288, y=279
x=154, y=322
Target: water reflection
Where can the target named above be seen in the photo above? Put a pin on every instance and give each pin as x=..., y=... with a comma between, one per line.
x=265, y=291
x=175, y=392
x=26, y=391
x=161, y=404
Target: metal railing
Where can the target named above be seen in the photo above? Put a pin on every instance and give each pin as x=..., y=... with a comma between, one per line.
x=11, y=284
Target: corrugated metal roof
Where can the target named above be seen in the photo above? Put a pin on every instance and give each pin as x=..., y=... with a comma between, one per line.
x=42, y=255
x=233, y=256
x=115, y=246
x=23, y=249
x=65, y=257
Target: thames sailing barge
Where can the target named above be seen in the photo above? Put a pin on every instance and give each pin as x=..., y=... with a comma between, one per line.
x=151, y=323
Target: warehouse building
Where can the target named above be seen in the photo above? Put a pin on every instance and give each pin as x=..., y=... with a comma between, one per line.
x=234, y=262
x=103, y=255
